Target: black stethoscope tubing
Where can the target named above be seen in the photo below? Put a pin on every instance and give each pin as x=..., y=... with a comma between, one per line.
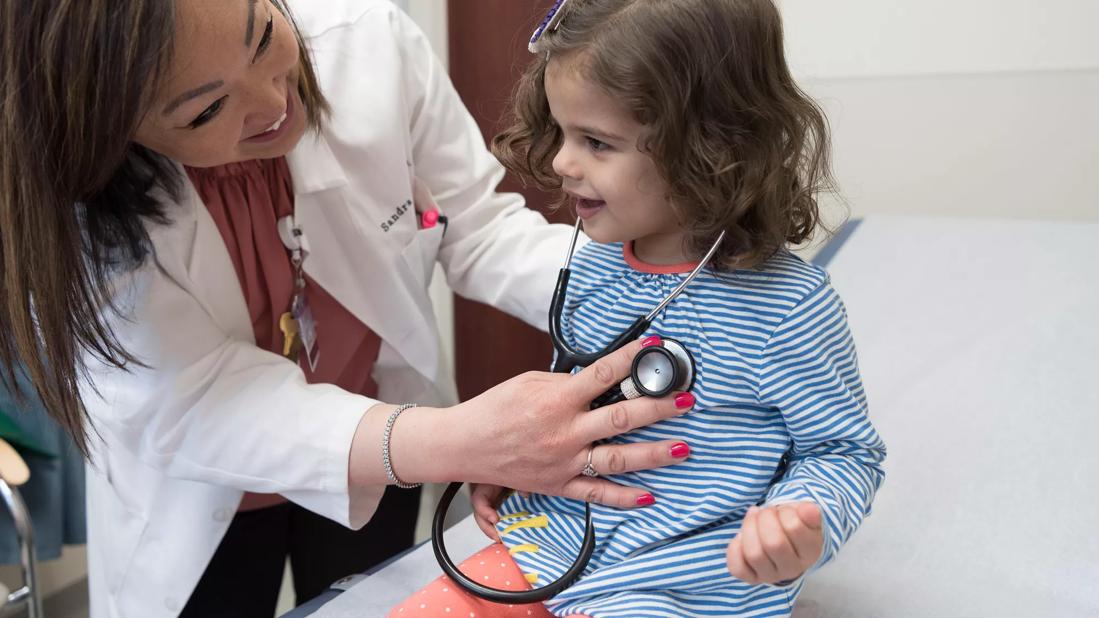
x=566, y=360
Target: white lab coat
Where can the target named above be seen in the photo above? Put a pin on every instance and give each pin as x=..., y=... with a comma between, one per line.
x=214, y=415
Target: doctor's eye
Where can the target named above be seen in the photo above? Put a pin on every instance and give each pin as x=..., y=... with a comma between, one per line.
x=596, y=145
x=265, y=40
x=208, y=114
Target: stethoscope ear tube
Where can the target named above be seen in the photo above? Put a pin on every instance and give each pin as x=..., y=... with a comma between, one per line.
x=496, y=595
x=567, y=358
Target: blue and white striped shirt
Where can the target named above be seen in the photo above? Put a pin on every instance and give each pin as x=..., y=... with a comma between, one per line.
x=780, y=416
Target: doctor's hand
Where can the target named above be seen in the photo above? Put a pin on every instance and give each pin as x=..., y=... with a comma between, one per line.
x=776, y=543
x=533, y=433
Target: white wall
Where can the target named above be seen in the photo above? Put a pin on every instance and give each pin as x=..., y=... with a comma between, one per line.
x=1017, y=145
x=964, y=107
x=849, y=38
x=431, y=16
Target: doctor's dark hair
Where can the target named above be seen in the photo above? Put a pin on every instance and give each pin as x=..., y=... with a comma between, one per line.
x=740, y=146
x=75, y=81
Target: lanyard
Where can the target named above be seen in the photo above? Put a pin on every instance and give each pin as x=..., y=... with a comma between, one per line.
x=298, y=327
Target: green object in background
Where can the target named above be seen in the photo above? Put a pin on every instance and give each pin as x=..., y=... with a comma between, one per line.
x=20, y=439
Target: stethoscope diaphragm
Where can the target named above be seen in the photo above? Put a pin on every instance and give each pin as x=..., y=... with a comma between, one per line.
x=657, y=371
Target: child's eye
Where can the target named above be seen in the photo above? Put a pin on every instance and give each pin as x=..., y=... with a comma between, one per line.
x=596, y=145
x=208, y=114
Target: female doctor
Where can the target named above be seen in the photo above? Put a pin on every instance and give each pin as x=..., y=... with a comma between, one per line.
x=166, y=168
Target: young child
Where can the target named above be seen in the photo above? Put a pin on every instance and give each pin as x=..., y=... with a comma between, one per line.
x=665, y=122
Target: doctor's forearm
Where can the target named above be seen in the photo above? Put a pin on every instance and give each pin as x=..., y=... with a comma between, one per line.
x=423, y=448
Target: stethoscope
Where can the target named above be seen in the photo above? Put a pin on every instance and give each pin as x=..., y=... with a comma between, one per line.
x=656, y=371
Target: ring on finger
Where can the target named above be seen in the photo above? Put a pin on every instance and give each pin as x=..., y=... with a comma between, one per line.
x=589, y=470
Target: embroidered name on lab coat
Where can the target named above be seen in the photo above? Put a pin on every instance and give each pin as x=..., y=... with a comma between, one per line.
x=396, y=216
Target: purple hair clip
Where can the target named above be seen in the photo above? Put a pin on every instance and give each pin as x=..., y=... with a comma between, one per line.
x=552, y=20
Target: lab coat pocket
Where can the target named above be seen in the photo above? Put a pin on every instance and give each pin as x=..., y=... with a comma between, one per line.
x=422, y=251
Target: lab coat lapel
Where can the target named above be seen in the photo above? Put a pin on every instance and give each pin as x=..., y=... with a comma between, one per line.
x=353, y=262
x=189, y=248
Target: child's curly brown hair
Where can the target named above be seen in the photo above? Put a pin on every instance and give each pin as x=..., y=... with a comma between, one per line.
x=741, y=147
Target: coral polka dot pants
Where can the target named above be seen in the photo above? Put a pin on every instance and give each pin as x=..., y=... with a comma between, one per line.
x=491, y=566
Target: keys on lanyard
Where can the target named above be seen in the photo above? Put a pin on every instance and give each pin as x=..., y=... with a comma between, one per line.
x=299, y=328
x=291, y=337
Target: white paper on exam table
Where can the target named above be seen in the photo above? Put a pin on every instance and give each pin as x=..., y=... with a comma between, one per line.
x=377, y=594
x=979, y=347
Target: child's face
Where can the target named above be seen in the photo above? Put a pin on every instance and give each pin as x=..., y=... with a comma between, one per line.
x=617, y=189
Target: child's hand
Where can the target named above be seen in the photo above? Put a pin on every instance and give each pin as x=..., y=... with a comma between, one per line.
x=777, y=543
x=486, y=499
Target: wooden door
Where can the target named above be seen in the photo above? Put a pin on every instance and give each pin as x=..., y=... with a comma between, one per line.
x=488, y=50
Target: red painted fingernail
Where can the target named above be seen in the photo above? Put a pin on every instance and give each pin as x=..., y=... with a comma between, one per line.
x=680, y=450
x=684, y=400
x=646, y=500
x=430, y=218
x=651, y=341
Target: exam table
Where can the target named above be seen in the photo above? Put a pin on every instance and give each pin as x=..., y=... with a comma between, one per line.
x=979, y=347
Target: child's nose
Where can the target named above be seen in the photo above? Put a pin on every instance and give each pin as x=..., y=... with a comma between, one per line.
x=565, y=166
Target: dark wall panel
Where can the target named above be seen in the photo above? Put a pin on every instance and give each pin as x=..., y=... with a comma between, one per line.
x=488, y=40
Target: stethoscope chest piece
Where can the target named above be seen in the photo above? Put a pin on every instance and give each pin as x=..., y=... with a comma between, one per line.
x=659, y=370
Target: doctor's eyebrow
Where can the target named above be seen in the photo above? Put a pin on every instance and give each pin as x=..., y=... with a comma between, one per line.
x=251, y=31
x=203, y=89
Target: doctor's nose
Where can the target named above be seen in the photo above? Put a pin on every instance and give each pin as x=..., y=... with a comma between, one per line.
x=269, y=102
x=565, y=164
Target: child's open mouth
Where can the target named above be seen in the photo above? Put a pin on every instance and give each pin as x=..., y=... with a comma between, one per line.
x=586, y=208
